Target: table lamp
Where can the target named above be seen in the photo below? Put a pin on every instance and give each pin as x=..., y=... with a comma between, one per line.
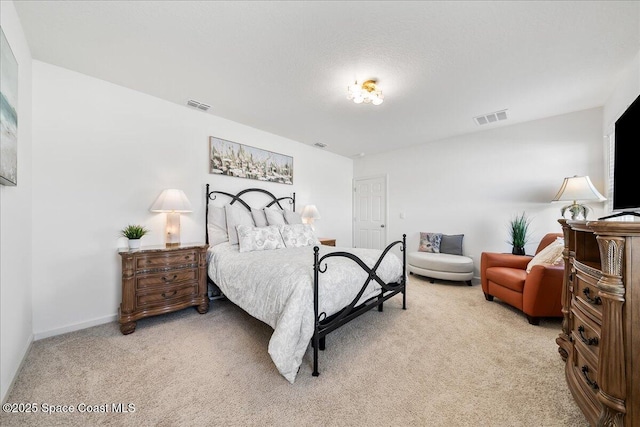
x=173, y=202
x=574, y=189
x=309, y=214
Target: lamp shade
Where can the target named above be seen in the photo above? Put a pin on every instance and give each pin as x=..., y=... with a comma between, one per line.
x=578, y=188
x=310, y=212
x=171, y=200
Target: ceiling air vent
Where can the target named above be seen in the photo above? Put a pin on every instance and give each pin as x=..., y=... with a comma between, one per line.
x=197, y=104
x=320, y=145
x=491, y=117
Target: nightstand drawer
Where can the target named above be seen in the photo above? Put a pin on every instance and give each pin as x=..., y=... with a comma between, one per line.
x=166, y=278
x=166, y=260
x=166, y=296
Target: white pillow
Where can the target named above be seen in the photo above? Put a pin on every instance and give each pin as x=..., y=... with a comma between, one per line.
x=298, y=235
x=259, y=238
x=275, y=216
x=259, y=217
x=217, y=225
x=236, y=215
x=292, y=217
x=551, y=255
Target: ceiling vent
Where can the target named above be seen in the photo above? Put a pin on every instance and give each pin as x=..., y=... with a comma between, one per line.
x=491, y=117
x=320, y=145
x=198, y=105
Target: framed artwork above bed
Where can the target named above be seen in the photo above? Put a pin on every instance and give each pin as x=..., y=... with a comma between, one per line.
x=242, y=161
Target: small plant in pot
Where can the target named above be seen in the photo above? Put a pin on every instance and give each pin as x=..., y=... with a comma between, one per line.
x=519, y=233
x=134, y=233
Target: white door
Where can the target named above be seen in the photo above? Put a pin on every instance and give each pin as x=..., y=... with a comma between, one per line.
x=370, y=212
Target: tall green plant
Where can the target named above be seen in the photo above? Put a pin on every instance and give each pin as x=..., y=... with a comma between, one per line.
x=519, y=231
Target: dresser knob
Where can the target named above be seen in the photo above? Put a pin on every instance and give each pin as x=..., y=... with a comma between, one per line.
x=169, y=295
x=585, y=373
x=175, y=276
x=587, y=295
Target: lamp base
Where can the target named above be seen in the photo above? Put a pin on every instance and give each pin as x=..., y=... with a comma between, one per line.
x=173, y=229
x=576, y=210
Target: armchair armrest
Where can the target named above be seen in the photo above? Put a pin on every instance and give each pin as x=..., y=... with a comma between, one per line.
x=494, y=259
x=542, y=294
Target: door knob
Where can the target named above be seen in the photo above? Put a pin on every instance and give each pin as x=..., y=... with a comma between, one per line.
x=381, y=225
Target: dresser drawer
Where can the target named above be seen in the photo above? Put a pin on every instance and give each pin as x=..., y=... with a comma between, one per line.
x=586, y=374
x=170, y=259
x=166, y=278
x=166, y=296
x=586, y=332
x=585, y=292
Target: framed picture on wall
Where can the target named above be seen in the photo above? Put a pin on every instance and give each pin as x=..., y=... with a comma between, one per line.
x=8, y=114
x=242, y=161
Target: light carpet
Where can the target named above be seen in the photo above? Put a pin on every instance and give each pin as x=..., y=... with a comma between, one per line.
x=450, y=359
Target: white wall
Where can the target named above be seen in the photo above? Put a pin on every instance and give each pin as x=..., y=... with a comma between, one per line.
x=474, y=184
x=15, y=221
x=102, y=154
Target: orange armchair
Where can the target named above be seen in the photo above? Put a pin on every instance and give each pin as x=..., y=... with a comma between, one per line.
x=537, y=293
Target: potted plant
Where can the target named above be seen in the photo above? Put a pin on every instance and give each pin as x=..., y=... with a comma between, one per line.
x=519, y=233
x=134, y=233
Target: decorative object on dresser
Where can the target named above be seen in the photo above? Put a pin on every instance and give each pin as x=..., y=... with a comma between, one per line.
x=134, y=233
x=574, y=189
x=158, y=280
x=600, y=339
x=242, y=161
x=530, y=284
x=519, y=233
x=173, y=202
x=302, y=301
x=327, y=241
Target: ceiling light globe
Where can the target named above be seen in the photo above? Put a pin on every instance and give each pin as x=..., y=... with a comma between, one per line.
x=377, y=101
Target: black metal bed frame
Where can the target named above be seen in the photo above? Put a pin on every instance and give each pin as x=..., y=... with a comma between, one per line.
x=324, y=324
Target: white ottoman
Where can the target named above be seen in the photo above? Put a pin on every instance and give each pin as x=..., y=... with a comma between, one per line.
x=441, y=266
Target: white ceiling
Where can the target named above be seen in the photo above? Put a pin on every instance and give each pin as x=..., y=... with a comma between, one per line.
x=284, y=66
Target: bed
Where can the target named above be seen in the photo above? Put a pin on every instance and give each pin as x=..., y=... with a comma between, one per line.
x=281, y=275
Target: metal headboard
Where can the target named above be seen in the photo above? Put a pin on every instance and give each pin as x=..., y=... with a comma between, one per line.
x=212, y=195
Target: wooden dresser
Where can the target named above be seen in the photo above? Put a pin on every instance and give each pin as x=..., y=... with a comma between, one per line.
x=600, y=339
x=159, y=279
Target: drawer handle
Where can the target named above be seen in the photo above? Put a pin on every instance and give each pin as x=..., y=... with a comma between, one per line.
x=169, y=295
x=175, y=276
x=587, y=295
x=571, y=277
x=585, y=373
x=587, y=341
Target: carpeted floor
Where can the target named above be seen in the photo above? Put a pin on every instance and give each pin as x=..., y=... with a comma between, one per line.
x=450, y=359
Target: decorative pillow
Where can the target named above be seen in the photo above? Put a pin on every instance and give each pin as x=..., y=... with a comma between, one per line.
x=430, y=242
x=275, y=216
x=297, y=235
x=236, y=215
x=217, y=225
x=259, y=238
x=292, y=217
x=259, y=218
x=551, y=255
x=451, y=244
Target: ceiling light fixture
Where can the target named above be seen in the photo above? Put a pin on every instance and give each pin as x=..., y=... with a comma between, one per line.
x=368, y=93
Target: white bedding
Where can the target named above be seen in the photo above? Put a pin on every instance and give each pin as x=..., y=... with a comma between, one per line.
x=276, y=287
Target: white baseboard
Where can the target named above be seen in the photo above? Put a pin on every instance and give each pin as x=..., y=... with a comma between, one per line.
x=15, y=374
x=75, y=327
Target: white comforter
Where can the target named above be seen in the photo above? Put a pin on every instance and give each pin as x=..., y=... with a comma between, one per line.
x=276, y=287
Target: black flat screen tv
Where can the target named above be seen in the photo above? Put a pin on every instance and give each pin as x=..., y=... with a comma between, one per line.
x=626, y=163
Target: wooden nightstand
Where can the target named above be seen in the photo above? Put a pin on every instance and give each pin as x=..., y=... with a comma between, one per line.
x=327, y=241
x=158, y=280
